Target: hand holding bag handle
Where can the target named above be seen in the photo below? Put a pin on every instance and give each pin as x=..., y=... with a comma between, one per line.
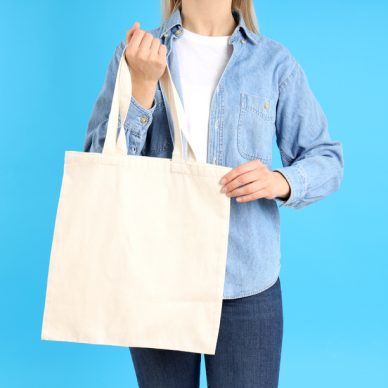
x=116, y=144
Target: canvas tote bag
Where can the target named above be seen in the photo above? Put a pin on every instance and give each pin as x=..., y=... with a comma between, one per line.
x=139, y=248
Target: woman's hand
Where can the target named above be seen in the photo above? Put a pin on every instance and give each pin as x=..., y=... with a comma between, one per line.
x=253, y=180
x=145, y=55
x=146, y=59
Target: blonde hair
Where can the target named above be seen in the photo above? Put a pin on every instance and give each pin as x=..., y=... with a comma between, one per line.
x=244, y=6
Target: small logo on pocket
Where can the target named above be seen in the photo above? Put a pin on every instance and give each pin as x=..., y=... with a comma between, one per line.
x=266, y=104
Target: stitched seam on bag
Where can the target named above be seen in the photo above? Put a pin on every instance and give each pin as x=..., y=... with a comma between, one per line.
x=99, y=158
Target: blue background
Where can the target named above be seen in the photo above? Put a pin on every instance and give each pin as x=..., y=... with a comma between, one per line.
x=54, y=56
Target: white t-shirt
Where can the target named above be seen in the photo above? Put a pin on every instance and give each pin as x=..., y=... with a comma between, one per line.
x=202, y=60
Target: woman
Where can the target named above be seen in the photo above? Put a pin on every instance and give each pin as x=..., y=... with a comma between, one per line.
x=239, y=89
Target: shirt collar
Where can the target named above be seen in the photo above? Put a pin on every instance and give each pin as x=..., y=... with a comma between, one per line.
x=174, y=23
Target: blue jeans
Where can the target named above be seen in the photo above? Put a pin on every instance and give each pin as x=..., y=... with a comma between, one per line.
x=247, y=354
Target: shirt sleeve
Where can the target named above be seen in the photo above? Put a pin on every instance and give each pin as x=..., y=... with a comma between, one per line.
x=138, y=118
x=312, y=162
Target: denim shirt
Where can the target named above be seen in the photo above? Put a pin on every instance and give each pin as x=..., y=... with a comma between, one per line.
x=263, y=93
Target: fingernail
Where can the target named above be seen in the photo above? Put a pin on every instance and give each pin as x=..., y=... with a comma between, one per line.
x=222, y=181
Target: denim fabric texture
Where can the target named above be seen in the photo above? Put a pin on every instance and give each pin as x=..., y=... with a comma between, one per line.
x=248, y=351
x=263, y=94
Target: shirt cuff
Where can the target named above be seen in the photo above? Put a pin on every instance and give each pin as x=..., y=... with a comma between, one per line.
x=296, y=179
x=138, y=116
x=136, y=125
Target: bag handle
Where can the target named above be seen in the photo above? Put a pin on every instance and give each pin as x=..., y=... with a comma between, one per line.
x=120, y=104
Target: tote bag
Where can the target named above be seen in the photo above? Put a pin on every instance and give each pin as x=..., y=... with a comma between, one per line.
x=139, y=248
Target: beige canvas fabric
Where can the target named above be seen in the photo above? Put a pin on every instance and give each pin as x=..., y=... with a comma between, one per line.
x=139, y=247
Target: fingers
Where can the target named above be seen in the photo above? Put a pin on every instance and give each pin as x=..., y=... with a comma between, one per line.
x=135, y=40
x=242, y=168
x=141, y=43
x=252, y=196
x=162, y=50
x=249, y=189
x=145, y=44
x=130, y=32
x=145, y=55
x=242, y=183
x=155, y=44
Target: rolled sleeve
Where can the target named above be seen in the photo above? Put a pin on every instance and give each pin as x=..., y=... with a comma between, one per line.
x=312, y=162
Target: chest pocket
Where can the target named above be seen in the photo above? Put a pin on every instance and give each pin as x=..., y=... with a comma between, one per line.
x=256, y=126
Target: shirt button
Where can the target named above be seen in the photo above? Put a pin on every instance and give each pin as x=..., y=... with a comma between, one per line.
x=242, y=40
x=165, y=34
x=143, y=119
x=178, y=31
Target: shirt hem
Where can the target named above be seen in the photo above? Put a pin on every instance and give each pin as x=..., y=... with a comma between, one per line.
x=256, y=291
